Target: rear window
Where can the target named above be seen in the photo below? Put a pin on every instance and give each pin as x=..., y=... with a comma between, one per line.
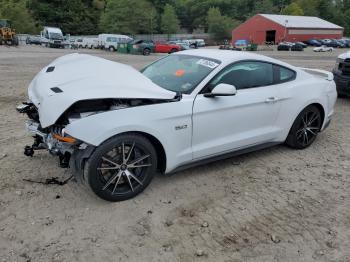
x=285, y=74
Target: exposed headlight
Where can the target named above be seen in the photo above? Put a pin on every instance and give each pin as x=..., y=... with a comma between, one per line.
x=337, y=63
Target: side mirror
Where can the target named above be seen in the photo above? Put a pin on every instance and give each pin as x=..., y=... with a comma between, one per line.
x=222, y=90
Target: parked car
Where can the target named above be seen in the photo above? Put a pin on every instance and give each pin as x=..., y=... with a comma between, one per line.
x=283, y=47
x=195, y=43
x=323, y=48
x=33, y=40
x=183, y=45
x=200, y=42
x=241, y=44
x=341, y=74
x=79, y=42
x=297, y=47
x=145, y=47
x=345, y=42
x=302, y=44
x=313, y=42
x=325, y=41
x=332, y=43
x=166, y=47
x=117, y=128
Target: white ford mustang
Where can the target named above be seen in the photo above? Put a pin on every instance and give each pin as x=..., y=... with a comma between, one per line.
x=116, y=127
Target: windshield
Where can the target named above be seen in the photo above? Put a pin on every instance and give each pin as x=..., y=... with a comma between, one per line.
x=56, y=36
x=180, y=73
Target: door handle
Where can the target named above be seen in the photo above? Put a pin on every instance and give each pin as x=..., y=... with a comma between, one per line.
x=271, y=100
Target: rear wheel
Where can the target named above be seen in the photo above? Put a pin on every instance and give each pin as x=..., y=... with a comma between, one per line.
x=305, y=128
x=121, y=168
x=111, y=48
x=173, y=50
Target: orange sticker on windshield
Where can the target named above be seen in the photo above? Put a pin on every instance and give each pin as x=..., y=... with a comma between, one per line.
x=180, y=72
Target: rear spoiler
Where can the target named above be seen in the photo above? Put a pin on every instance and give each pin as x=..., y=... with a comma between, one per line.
x=323, y=73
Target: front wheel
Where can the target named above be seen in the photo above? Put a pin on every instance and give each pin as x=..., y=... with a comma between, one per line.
x=121, y=168
x=305, y=128
x=146, y=51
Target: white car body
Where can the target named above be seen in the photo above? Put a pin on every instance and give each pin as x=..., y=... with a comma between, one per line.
x=189, y=129
x=323, y=49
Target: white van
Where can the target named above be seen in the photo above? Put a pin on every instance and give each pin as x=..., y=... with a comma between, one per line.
x=90, y=43
x=52, y=37
x=110, y=41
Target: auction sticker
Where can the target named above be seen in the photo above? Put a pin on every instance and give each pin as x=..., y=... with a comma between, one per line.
x=207, y=63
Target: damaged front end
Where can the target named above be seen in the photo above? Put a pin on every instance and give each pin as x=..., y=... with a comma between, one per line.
x=71, y=151
x=52, y=138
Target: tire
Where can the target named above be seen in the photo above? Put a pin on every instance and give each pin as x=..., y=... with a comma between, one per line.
x=305, y=128
x=146, y=51
x=111, y=48
x=113, y=183
x=173, y=50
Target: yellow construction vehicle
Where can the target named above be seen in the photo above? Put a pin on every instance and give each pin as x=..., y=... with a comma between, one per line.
x=7, y=34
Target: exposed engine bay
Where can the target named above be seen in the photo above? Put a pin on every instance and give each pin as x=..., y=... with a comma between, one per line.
x=87, y=108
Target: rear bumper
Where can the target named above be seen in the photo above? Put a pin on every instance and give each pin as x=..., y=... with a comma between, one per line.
x=342, y=82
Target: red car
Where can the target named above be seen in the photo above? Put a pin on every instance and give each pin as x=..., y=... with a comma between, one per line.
x=165, y=47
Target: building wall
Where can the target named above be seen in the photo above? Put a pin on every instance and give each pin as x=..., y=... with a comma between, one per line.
x=254, y=30
x=295, y=35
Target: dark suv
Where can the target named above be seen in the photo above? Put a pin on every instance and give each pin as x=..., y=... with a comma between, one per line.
x=341, y=74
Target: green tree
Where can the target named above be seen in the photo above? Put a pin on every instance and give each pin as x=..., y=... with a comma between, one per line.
x=219, y=26
x=293, y=9
x=169, y=21
x=128, y=17
x=264, y=7
x=17, y=12
x=72, y=16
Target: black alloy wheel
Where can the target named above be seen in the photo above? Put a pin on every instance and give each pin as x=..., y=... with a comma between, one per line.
x=121, y=168
x=305, y=128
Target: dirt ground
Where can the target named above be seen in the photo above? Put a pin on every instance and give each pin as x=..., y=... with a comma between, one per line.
x=273, y=205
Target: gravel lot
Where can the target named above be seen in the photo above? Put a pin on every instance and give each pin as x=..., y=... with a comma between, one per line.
x=273, y=205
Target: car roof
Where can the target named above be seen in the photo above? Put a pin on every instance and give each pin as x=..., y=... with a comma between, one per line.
x=228, y=56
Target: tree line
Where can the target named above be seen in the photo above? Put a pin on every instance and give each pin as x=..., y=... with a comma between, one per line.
x=217, y=17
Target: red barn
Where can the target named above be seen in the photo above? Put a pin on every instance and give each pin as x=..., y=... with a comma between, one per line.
x=263, y=28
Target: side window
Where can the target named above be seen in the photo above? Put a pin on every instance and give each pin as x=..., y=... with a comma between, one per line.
x=285, y=74
x=244, y=75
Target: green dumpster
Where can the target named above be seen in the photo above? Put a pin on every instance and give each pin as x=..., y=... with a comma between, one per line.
x=252, y=47
x=123, y=48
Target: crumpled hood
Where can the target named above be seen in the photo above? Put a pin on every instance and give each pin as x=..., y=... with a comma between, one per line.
x=83, y=77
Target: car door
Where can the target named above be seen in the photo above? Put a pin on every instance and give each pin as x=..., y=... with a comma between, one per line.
x=160, y=47
x=226, y=123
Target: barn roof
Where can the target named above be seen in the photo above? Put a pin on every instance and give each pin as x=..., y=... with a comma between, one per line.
x=301, y=21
